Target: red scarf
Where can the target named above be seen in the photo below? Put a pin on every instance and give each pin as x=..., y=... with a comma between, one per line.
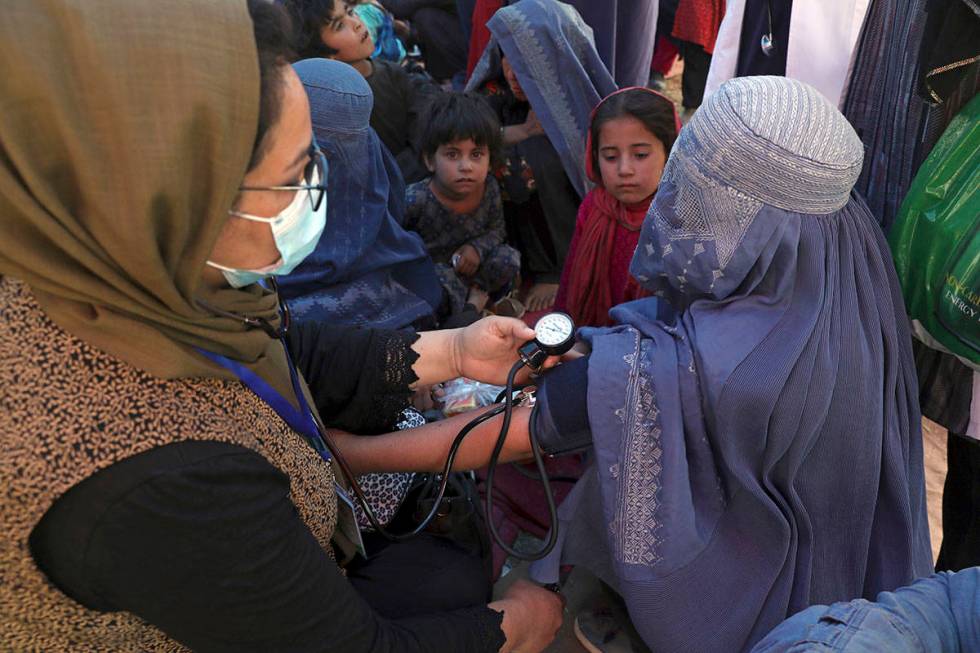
x=590, y=287
x=699, y=22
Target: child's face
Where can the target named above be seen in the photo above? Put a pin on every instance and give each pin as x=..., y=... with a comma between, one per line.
x=460, y=168
x=631, y=159
x=346, y=34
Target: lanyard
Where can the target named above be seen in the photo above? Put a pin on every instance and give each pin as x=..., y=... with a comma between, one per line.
x=301, y=420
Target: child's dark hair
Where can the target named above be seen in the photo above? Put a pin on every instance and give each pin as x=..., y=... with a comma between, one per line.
x=308, y=18
x=655, y=111
x=459, y=116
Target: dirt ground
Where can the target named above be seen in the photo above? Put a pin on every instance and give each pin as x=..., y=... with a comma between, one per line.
x=934, y=445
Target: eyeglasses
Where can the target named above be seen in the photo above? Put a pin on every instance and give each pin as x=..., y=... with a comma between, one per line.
x=314, y=174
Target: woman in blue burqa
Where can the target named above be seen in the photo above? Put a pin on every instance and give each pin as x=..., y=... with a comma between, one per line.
x=366, y=270
x=756, y=432
x=542, y=76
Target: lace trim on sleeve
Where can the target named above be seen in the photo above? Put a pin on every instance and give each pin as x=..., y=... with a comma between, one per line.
x=394, y=358
x=397, y=358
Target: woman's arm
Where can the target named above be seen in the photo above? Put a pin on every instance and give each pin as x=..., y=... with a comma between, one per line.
x=483, y=351
x=424, y=449
x=561, y=426
x=202, y=540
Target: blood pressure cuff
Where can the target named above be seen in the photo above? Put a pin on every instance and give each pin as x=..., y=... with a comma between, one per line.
x=560, y=418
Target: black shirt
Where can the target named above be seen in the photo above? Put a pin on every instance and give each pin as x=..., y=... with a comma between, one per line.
x=751, y=59
x=400, y=99
x=202, y=540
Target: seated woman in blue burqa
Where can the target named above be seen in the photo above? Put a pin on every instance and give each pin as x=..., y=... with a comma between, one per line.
x=366, y=269
x=755, y=425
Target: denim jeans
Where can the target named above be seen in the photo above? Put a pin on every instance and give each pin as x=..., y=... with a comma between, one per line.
x=939, y=614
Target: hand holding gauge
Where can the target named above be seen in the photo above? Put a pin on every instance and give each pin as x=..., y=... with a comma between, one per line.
x=554, y=335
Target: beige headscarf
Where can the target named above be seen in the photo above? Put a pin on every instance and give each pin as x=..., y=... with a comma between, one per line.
x=125, y=129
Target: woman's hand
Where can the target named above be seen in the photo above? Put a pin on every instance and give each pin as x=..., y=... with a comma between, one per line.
x=514, y=134
x=484, y=351
x=532, y=126
x=487, y=349
x=424, y=449
x=532, y=617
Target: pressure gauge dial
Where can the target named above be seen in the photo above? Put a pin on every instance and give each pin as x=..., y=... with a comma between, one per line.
x=554, y=334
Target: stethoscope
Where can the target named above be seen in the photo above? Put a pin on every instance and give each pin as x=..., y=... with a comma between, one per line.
x=766, y=42
x=554, y=335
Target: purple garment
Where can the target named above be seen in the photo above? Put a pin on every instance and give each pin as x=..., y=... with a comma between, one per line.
x=367, y=270
x=625, y=32
x=761, y=451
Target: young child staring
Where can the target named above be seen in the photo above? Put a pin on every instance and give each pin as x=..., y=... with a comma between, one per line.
x=631, y=133
x=458, y=211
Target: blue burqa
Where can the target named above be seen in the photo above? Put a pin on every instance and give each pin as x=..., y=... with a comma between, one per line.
x=624, y=31
x=553, y=55
x=366, y=270
x=759, y=450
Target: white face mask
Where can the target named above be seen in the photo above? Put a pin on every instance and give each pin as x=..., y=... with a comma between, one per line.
x=296, y=230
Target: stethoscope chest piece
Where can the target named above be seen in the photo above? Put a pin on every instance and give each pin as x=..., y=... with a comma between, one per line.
x=766, y=44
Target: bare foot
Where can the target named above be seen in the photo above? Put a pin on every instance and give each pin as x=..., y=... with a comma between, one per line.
x=540, y=296
x=478, y=297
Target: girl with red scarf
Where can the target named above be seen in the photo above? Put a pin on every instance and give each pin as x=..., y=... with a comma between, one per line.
x=630, y=136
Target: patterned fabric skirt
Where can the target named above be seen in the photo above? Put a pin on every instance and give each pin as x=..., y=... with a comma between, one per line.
x=386, y=491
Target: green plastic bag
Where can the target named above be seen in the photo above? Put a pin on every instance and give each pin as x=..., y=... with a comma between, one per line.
x=935, y=241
